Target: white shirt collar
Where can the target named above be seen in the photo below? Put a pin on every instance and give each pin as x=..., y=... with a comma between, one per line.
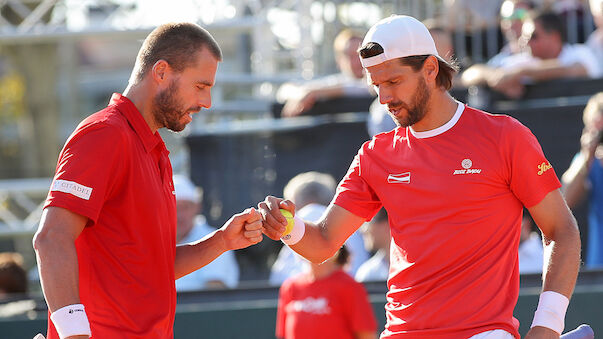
x=437, y=131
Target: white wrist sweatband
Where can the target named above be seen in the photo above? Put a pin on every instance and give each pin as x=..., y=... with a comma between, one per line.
x=551, y=311
x=71, y=320
x=299, y=228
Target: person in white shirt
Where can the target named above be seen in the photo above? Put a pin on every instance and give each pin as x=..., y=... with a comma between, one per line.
x=223, y=272
x=530, y=247
x=377, y=238
x=595, y=40
x=312, y=192
x=549, y=58
x=349, y=82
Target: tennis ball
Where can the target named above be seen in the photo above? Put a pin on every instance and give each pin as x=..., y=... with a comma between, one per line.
x=290, y=221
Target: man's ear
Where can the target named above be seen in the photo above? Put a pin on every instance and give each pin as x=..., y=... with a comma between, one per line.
x=431, y=68
x=159, y=70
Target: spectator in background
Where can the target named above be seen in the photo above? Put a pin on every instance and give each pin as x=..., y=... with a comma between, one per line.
x=223, y=272
x=550, y=58
x=13, y=278
x=512, y=15
x=530, y=247
x=349, y=82
x=312, y=192
x=325, y=303
x=379, y=119
x=377, y=238
x=584, y=178
x=595, y=40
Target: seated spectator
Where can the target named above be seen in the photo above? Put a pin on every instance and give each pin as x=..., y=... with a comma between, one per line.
x=350, y=82
x=325, y=303
x=377, y=238
x=530, y=247
x=584, y=178
x=550, y=58
x=223, y=272
x=595, y=40
x=513, y=13
x=13, y=278
x=311, y=192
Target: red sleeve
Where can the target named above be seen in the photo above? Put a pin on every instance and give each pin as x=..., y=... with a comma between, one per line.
x=360, y=311
x=531, y=176
x=354, y=193
x=283, y=299
x=88, y=166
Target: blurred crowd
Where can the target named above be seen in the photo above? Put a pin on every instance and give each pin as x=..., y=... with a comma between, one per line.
x=535, y=49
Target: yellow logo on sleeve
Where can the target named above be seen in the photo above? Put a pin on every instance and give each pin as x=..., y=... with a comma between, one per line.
x=545, y=166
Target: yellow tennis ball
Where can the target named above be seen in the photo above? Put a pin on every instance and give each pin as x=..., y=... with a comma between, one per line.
x=290, y=221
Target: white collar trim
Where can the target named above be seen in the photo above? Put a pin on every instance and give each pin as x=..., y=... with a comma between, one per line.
x=437, y=131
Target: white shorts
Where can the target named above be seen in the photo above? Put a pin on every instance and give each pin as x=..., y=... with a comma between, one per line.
x=493, y=334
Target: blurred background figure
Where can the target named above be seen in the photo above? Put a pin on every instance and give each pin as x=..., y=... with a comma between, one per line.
x=530, y=247
x=513, y=13
x=584, y=178
x=550, y=58
x=349, y=82
x=325, y=303
x=13, y=278
x=223, y=272
x=311, y=192
x=595, y=40
x=377, y=238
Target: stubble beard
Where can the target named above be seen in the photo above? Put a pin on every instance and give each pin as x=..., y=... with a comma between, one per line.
x=167, y=109
x=418, y=110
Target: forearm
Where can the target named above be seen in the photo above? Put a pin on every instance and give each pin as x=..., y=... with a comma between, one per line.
x=575, y=181
x=58, y=267
x=476, y=75
x=551, y=69
x=192, y=256
x=562, y=260
x=316, y=244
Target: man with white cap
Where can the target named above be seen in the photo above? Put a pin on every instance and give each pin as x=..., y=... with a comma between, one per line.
x=453, y=180
x=223, y=272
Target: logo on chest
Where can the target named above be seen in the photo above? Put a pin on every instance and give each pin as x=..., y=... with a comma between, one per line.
x=467, y=164
x=402, y=178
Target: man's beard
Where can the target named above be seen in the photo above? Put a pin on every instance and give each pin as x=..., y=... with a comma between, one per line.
x=417, y=111
x=167, y=109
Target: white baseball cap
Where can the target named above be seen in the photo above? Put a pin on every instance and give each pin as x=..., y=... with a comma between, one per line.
x=400, y=36
x=185, y=189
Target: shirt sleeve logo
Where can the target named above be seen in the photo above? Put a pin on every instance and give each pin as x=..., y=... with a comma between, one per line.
x=545, y=166
x=73, y=188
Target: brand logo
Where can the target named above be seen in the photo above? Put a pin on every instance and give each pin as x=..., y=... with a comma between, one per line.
x=466, y=164
x=310, y=305
x=71, y=310
x=545, y=166
x=402, y=178
x=73, y=188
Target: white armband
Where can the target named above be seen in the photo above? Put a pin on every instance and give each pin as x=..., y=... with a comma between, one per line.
x=71, y=320
x=293, y=237
x=551, y=311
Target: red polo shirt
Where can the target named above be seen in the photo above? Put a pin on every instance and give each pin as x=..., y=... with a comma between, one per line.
x=454, y=196
x=117, y=173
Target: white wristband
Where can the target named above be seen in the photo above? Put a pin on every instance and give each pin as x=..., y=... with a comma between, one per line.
x=551, y=311
x=71, y=320
x=299, y=228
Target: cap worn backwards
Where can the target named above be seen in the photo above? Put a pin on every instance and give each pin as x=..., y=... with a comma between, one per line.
x=399, y=36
